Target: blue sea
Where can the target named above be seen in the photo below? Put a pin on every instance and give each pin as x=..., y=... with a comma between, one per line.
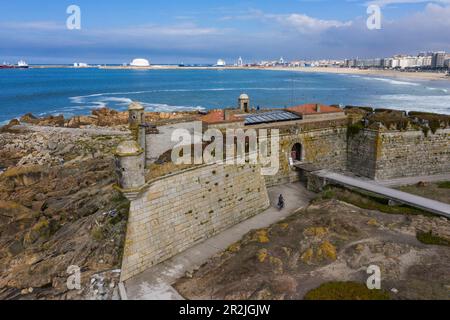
x=78, y=91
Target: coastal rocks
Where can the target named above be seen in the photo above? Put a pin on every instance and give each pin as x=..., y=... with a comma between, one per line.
x=9, y=126
x=104, y=286
x=53, y=196
x=29, y=118
x=103, y=117
x=108, y=117
x=51, y=121
x=39, y=158
x=79, y=121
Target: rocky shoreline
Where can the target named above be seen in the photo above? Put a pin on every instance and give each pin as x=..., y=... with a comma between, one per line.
x=58, y=204
x=58, y=208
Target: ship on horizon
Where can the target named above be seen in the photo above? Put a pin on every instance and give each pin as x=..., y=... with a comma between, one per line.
x=20, y=65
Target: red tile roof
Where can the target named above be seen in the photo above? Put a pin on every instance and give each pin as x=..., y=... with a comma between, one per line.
x=218, y=116
x=214, y=116
x=312, y=109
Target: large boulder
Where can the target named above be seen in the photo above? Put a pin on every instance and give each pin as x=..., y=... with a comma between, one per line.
x=29, y=118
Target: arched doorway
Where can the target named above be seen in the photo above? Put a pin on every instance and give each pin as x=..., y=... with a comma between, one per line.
x=296, y=152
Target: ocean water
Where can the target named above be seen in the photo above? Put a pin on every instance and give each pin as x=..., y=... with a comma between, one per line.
x=77, y=91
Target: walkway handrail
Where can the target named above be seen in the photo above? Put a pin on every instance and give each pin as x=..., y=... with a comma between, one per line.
x=422, y=203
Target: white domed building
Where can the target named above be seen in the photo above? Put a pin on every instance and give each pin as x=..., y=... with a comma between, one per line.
x=140, y=63
x=221, y=63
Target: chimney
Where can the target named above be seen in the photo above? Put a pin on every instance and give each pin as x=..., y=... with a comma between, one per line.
x=317, y=107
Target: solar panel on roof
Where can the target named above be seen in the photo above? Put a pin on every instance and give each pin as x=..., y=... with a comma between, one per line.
x=272, y=116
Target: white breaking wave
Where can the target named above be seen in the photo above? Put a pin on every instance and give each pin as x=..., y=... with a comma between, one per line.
x=438, y=89
x=88, y=104
x=161, y=107
x=391, y=81
x=79, y=98
x=438, y=104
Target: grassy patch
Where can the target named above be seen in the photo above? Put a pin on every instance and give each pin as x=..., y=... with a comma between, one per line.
x=438, y=191
x=444, y=185
x=18, y=171
x=369, y=202
x=345, y=291
x=98, y=233
x=430, y=238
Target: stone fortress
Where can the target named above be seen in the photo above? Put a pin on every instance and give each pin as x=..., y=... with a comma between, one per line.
x=173, y=211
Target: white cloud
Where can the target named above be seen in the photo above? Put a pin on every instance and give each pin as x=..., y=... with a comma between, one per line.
x=298, y=22
x=383, y=3
x=306, y=24
x=33, y=25
x=186, y=30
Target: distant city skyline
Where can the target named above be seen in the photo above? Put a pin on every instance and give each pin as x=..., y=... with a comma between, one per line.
x=203, y=31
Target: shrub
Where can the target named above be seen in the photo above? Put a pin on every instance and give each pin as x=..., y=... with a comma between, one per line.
x=328, y=194
x=430, y=238
x=98, y=234
x=372, y=202
x=444, y=185
x=354, y=129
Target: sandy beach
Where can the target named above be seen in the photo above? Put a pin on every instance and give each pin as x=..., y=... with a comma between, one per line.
x=371, y=72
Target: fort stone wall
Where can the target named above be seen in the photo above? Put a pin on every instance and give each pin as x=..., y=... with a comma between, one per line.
x=392, y=154
x=325, y=148
x=180, y=210
x=412, y=153
x=362, y=153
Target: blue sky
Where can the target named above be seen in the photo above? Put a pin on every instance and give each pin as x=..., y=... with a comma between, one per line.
x=201, y=31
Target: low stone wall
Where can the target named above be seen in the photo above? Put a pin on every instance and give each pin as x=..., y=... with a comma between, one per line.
x=183, y=209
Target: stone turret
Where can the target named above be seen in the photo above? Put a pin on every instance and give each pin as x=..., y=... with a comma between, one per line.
x=244, y=103
x=137, y=123
x=136, y=115
x=130, y=165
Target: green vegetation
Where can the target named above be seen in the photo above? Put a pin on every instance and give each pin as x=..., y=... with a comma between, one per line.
x=328, y=194
x=399, y=120
x=98, y=234
x=112, y=225
x=390, y=119
x=369, y=202
x=426, y=131
x=430, y=238
x=435, y=120
x=444, y=185
x=354, y=129
x=346, y=291
x=42, y=228
x=367, y=109
x=438, y=191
